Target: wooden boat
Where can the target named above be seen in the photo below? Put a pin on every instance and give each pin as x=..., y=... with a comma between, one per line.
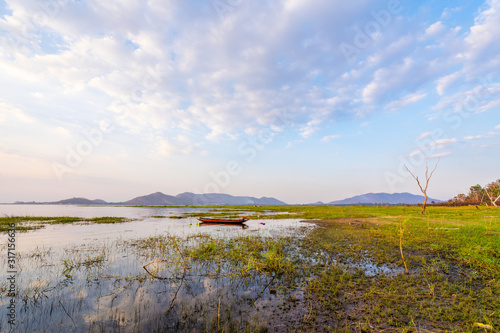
x=225, y=225
x=223, y=221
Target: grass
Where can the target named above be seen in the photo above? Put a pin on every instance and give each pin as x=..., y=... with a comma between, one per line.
x=24, y=223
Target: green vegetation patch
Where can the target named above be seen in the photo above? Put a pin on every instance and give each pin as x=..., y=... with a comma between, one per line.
x=24, y=223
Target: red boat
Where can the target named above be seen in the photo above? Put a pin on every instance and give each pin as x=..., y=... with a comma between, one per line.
x=225, y=221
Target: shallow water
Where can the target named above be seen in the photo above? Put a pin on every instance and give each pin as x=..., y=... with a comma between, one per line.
x=144, y=226
x=89, y=277
x=93, y=211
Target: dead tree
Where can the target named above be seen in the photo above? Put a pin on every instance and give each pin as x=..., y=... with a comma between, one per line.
x=493, y=202
x=427, y=179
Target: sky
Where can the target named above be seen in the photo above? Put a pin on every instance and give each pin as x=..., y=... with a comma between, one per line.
x=301, y=100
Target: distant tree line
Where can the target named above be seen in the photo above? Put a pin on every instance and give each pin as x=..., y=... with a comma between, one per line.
x=478, y=195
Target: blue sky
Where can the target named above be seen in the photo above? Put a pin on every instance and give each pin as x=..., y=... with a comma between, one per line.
x=301, y=100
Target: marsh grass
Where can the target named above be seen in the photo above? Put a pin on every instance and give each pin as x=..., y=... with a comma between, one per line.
x=90, y=261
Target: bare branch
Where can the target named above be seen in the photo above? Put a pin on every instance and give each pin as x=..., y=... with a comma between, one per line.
x=416, y=178
x=427, y=179
x=489, y=196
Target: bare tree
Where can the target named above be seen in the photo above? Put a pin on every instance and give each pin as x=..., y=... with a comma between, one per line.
x=494, y=190
x=427, y=179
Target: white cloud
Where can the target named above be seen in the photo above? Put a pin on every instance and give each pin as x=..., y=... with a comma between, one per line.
x=159, y=76
x=218, y=77
x=331, y=137
x=63, y=131
x=474, y=137
x=445, y=82
x=164, y=149
x=427, y=146
x=310, y=128
x=386, y=79
x=488, y=106
x=428, y=154
x=497, y=127
x=442, y=143
x=434, y=29
x=425, y=135
x=416, y=152
x=439, y=155
x=12, y=115
x=447, y=12
x=483, y=40
x=405, y=101
x=479, y=97
x=290, y=144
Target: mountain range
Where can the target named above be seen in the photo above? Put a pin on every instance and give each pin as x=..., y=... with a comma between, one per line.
x=183, y=199
x=209, y=199
x=383, y=198
x=219, y=199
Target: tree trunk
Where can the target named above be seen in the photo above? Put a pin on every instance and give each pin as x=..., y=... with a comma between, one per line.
x=493, y=203
x=425, y=202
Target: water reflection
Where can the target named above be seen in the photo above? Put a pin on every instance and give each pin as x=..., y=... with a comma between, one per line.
x=105, y=288
x=90, y=277
x=147, y=223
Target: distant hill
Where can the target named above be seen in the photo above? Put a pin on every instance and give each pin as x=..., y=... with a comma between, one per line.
x=80, y=201
x=219, y=199
x=157, y=198
x=188, y=198
x=183, y=199
x=384, y=198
